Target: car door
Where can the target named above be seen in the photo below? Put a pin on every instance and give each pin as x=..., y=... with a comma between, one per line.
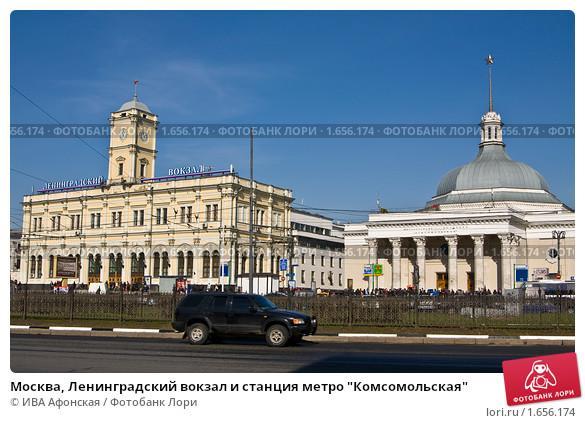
x=244, y=317
x=218, y=313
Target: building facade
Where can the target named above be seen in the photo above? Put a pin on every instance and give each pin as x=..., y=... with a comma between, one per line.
x=136, y=228
x=489, y=219
x=15, y=254
x=318, y=252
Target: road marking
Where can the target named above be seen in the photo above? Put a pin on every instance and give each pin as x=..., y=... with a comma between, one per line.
x=446, y=336
x=548, y=338
x=75, y=328
x=369, y=335
x=132, y=330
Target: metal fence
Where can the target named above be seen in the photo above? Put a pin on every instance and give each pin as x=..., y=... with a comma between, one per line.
x=445, y=311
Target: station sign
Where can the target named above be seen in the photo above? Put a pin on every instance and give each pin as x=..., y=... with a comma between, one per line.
x=190, y=170
x=73, y=183
x=283, y=264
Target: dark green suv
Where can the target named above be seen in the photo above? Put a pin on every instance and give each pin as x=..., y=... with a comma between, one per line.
x=203, y=314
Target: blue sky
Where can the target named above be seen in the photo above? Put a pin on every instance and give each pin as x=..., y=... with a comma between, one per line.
x=317, y=67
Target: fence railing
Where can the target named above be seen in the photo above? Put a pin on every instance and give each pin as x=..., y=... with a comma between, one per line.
x=470, y=311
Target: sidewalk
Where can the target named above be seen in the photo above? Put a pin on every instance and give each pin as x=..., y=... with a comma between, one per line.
x=385, y=338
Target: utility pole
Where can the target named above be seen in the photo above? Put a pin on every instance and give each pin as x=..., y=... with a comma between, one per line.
x=251, y=225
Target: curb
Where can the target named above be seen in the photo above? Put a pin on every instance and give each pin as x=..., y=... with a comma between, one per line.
x=387, y=338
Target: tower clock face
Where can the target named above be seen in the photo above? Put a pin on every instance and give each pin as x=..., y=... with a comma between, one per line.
x=144, y=135
x=123, y=133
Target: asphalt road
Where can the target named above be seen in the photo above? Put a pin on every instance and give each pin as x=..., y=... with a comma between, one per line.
x=53, y=353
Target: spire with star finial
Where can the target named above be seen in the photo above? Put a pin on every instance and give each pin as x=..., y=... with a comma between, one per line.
x=489, y=60
x=491, y=122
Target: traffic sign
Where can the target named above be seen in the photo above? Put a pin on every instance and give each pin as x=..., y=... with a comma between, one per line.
x=368, y=270
x=378, y=270
x=283, y=264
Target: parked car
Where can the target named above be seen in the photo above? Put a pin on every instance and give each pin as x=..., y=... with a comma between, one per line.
x=200, y=315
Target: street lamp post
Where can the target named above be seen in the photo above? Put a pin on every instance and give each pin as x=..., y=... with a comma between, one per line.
x=558, y=235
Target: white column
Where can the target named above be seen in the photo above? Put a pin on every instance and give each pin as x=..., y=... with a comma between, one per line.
x=373, y=257
x=505, y=263
x=105, y=267
x=478, y=261
x=127, y=260
x=420, y=259
x=84, y=269
x=396, y=254
x=452, y=263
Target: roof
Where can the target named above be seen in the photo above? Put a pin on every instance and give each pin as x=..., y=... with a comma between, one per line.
x=134, y=104
x=493, y=169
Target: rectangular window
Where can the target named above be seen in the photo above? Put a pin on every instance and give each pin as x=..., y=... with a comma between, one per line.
x=92, y=221
x=322, y=260
x=331, y=261
x=208, y=212
x=120, y=169
x=182, y=214
x=302, y=276
x=322, y=278
x=215, y=212
x=141, y=217
x=142, y=169
x=40, y=224
x=340, y=262
x=34, y=224
x=339, y=280
x=164, y=216
x=189, y=213
x=158, y=216
x=53, y=223
x=135, y=217
x=312, y=276
x=312, y=259
x=72, y=221
x=114, y=219
x=98, y=218
x=303, y=258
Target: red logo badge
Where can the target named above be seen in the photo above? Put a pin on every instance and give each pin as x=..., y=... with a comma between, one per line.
x=545, y=378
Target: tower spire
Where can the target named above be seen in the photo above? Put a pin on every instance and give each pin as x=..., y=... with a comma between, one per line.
x=489, y=60
x=136, y=89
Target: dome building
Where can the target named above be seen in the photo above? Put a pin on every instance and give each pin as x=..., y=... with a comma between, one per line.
x=489, y=221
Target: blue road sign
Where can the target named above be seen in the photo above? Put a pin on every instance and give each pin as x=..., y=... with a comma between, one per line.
x=283, y=264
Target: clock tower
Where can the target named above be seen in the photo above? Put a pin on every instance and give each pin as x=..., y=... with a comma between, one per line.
x=132, y=142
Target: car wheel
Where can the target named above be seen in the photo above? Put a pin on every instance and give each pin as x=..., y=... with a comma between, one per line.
x=277, y=336
x=197, y=334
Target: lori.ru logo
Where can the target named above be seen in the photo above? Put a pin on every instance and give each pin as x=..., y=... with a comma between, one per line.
x=538, y=379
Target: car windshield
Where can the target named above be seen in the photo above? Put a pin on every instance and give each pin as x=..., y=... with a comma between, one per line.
x=264, y=303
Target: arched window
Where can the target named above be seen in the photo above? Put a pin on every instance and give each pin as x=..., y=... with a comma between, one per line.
x=156, y=265
x=90, y=265
x=206, y=264
x=119, y=264
x=190, y=264
x=260, y=266
x=133, y=264
x=112, y=265
x=51, y=266
x=215, y=264
x=496, y=132
x=180, y=264
x=165, y=263
x=33, y=266
x=98, y=265
x=489, y=132
x=141, y=264
x=272, y=263
x=39, y=266
x=244, y=260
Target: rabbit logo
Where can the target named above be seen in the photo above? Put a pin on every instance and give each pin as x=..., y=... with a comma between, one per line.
x=540, y=377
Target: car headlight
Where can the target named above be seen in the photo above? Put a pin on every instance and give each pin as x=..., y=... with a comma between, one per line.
x=297, y=321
